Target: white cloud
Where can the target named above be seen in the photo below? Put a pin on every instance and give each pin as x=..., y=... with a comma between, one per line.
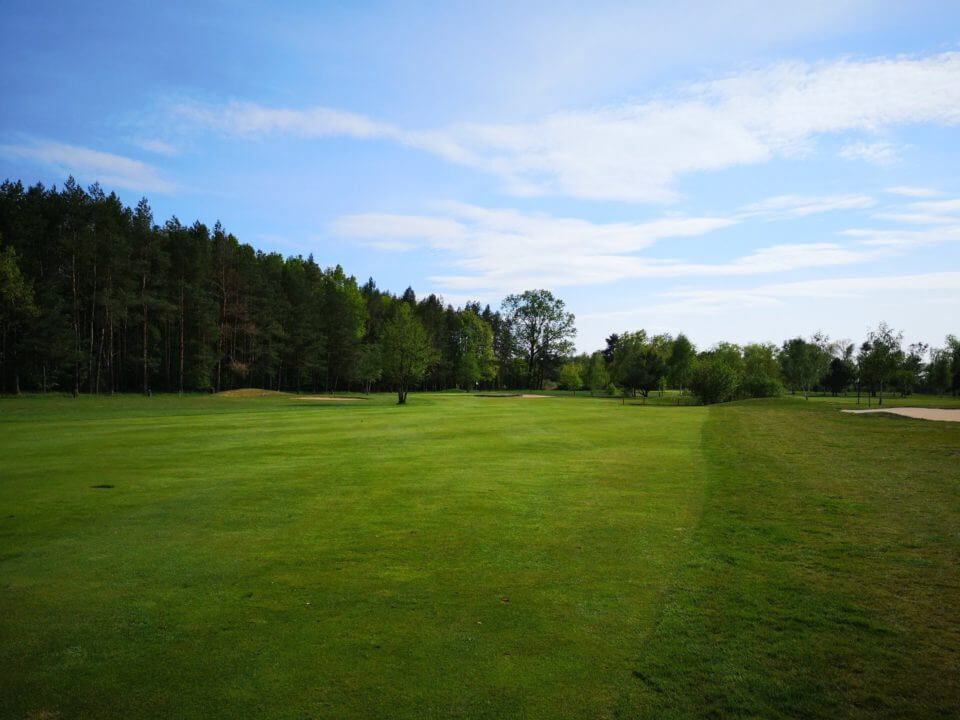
x=928, y=212
x=794, y=206
x=252, y=120
x=911, y=191
x=720, y=301
x=878, y=153
x=842, y=307
x=938, y=206
x=636, y=151
x=159, y=147
x=106, y=168
x=503, y=250
x=500, y=251
x=904, y=238
x=382, y=227
x=916, y=218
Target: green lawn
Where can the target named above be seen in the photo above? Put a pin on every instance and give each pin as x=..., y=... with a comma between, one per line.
x=475, y=557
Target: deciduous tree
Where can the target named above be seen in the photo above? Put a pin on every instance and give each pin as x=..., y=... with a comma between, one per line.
x=541, y=329
x=406, y=351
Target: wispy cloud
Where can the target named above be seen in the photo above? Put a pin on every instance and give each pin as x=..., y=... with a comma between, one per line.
x=636, y=151
x=158, y=147
x=795, y=206
x=938, y=206
x=720, y=301
x=878, y=153
x=916, y=218
x=904, y=238
x=927, y=212
x=910, y=191
x=505, y=250
x=106, y=168
x=249, y=119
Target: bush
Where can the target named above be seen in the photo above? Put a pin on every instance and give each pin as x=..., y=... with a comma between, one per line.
x=760, y=387
x=714, y=380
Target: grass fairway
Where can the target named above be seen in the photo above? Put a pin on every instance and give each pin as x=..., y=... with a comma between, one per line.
x=475, y=557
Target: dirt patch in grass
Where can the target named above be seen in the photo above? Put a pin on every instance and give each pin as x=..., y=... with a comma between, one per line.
x=250, y=393
x=915, y=412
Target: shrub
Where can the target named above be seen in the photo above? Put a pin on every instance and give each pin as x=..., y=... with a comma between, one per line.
x=714, y=380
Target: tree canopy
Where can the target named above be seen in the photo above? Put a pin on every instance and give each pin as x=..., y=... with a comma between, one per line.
x=406, y=351
x=96, y=297
x=541, y=328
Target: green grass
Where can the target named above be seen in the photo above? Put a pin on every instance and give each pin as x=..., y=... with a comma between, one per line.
x=475, y=557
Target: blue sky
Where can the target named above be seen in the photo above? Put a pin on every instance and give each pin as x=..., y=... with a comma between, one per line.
x=741, y=171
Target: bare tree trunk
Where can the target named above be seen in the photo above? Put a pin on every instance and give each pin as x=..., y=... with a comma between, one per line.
x=181, y=336
x=93, y=315
x=223, y=321
x=166, y=353
x=76, y=325
x=3, y=358
x=110, y=352
x=143, y=297
x=99, y=360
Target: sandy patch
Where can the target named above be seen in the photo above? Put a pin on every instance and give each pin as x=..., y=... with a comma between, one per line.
x=524, y=395
x=327, y=398
x=250, y=393
x=915, y=412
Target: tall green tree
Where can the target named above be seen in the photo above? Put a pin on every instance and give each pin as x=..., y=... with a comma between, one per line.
x=953, y=347
x=911, y=368
x=717, y=374
x=597, y=376
x=342, y=324
x=541, y=329
x=406, y=351
x=680, y=362
x=939, y=371
x=475, y=361
x=639, y=362
x=761, y=371
x=16, y=309
x=150, y=261
x=368, y=366
x=880, y=357
x=571, y=375
x=803, y=363
x=840, y=375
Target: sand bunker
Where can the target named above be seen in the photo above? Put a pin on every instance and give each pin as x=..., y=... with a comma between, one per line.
x=250, y=393
x=327, y=398
x=524, y=395
x=915, y=412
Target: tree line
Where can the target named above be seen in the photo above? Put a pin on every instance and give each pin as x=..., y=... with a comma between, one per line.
x=96, y=297
x=634, y=363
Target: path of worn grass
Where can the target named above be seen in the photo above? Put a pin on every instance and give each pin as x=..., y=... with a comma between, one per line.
x=460, y=557
x=824, y=578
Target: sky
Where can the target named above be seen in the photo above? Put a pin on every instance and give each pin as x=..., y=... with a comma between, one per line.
x=740, y=171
